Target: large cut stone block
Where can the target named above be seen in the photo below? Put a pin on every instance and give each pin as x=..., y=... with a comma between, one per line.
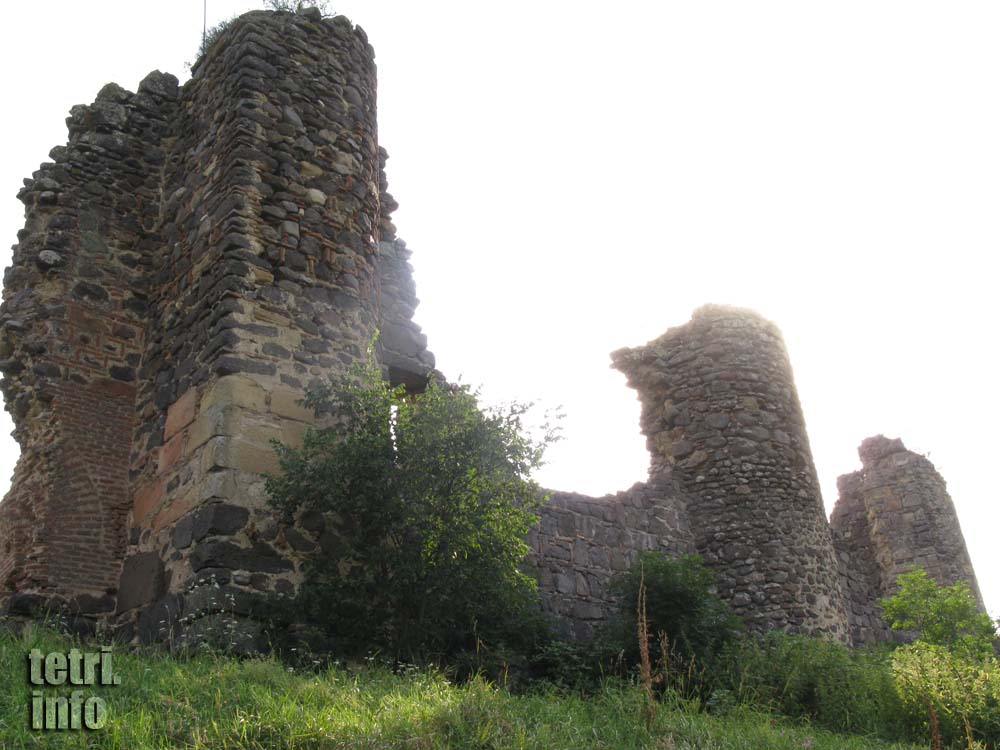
x=235, y=390
x=285, y=403
x=181, y=413
x=236, y=453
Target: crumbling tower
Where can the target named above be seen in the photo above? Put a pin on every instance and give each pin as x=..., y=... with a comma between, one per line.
x=719, y=408
x=893, y=515
x=195, y=257
x=192, y=261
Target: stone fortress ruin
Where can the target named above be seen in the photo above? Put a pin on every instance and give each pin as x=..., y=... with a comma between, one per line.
x=196, y=256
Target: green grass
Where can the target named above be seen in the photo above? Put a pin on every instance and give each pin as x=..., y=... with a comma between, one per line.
x=211, y=701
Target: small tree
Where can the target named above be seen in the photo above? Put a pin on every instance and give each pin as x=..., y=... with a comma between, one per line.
x=949, y=672
x=941, y=615
x=431, y=499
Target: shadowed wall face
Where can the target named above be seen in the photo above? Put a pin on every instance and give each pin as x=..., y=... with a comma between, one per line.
x=74, y=317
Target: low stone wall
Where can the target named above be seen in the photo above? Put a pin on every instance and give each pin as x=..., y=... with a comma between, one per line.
x=581, y=542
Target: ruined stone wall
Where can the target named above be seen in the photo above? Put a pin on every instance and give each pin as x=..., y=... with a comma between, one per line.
x=860, y=574
x=217, y=249
x=195, y=258
x=893, y=515
x=719, y=407
x=581, y=542
x=75, y=300
x=401, y=345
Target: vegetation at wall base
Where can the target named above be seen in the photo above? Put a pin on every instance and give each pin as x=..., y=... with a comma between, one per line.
x=755, y=691
x=948, y=679
x=948, y=690
x=689, y=624
x=945, y=616
x=427, y=500
x=208, y=701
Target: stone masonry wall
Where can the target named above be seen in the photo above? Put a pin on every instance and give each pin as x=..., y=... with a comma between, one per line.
x=581, y=542
x=289, y=293
x=401, y=346
x=719, y=407
x=192, y=261
x=893, y=515
x=73, y=319
x=860, y=574
x=196, y=257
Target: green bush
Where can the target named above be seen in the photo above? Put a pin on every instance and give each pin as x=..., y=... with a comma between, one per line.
x=296, y=6
x=212, y=34
x=581, y=666
x=831, y=685
x=680, y=605
x=945, y=616
x=430, y=498
x=962, y=691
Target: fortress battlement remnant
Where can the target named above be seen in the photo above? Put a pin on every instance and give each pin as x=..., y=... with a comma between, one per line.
x=196, y=256
x=892, y=515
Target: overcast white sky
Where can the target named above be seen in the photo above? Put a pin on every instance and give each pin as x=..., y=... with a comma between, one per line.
x=575, y=177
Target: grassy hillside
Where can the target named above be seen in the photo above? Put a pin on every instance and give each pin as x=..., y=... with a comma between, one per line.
x=210, y=701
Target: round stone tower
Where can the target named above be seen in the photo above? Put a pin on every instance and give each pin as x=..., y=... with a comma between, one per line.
x=719, y=409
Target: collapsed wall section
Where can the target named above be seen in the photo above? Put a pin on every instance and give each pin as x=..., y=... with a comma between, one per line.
x=860, y=573
x=73, y=316
x=719, y=408
x=580, y=543
x=401, y=346
x=893, y=515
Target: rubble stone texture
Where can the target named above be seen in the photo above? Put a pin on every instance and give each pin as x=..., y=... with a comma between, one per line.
x=581, y=542
x=719, y=408
x=893, y=515
x=192, y=259
x=195, y=257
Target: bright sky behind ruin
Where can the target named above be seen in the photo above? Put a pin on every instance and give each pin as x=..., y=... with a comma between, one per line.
x=576, y=177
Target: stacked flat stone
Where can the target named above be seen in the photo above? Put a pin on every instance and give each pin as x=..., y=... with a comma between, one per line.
x=719, y=408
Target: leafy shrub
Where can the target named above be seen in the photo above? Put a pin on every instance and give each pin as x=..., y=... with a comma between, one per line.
x=961, y=692
x=213, y=33
x=430, y=499
x=687, y=622
x=940, y=615
x=831, y=685
x=577, y=665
